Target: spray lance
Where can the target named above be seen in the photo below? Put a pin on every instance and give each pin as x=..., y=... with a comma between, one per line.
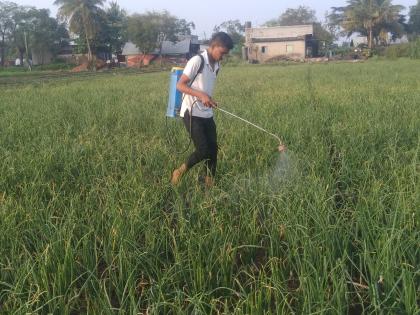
x=175, y=102
x=281, y=147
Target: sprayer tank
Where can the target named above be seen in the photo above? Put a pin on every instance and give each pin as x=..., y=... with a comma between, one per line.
x=175, y=96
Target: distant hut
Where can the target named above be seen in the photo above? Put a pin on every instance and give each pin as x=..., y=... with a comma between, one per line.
x=134, y=57
x=175, y=52
x=265, y=43
x=41, y=57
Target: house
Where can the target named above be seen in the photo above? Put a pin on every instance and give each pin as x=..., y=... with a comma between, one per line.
x=398, y=41
x=45, y=55
x=187, y=46
x=68, y=48
x=134, y=57
x=176, y=52
x=41, y=57
x=263, y=44
x=68, y=53
x=359, y=40
x=204, y=45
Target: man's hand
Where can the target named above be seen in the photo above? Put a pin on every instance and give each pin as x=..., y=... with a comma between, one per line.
x=183, y=87
x=207, y=100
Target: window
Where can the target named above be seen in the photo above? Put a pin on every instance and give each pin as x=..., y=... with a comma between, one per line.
x=264, y=49
x=289, y=48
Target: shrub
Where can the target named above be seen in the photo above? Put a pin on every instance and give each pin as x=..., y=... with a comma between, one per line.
x=415, y=49
x=397, y=51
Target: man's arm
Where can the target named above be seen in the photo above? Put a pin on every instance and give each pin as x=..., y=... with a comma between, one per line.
x=183, y=87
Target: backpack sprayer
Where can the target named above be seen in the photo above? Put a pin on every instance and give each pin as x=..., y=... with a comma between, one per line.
x=175, y=102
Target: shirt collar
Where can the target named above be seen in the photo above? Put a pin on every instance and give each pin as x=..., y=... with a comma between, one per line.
x=206, y=60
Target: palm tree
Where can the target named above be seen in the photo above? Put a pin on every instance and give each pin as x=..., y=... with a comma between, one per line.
x=373, y=18
x=82, y=16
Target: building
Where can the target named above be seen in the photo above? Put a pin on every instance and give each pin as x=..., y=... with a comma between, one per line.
x=359, y=40
x=398, y=41
x=175, y=52
x=204, y=45
x=187, y=46
x=68, y=53
x=41, y=57
x=134, y=57
x=263, y=44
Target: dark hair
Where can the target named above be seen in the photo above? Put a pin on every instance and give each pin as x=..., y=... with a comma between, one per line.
x=222, y=39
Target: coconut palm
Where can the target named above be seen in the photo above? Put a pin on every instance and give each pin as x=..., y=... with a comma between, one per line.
x=82, y=16
x=373, y=18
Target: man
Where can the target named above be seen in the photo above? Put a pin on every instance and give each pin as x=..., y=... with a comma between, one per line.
x=197, y=84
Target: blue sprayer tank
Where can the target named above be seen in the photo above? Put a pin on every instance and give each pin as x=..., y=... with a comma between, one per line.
x=175, y=96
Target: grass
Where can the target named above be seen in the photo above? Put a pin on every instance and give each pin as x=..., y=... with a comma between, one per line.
x=24, y=71
x=90, y=224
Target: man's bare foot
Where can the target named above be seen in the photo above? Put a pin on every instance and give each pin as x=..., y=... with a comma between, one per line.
x=177, y=174
x=208, y=182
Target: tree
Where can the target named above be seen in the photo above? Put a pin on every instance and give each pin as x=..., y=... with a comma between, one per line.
x=300, y=16
x=112, y=31
x=116, y=27
x=148, y=31
x=45, y=34
x=21, y=24
x=372, y=18
x=414, y=21
x=322, y=34
x=35, y=31
x=83, y=18
x=332, y=26
x=28, y=29
x=7, y=11
x=235, y=29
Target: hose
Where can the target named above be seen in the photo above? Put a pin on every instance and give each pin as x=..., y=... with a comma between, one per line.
x=168, y=138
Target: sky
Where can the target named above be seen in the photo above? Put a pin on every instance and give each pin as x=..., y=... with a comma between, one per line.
x=207, y=14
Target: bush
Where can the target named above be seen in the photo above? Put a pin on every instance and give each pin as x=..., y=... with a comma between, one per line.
x=56, y=65
x=415, y=49
x=233, y=60
x=409, y=50
x=397, y=51
x=379, y=51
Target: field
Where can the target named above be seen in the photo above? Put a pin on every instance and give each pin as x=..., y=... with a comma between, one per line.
x=90, y=224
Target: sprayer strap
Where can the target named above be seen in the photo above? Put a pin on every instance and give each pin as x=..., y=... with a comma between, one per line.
x=200, y=69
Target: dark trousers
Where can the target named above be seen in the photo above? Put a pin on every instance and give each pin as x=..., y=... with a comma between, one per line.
x=204, y=136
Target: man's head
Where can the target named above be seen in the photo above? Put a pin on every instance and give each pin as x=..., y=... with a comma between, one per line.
x=220, y=45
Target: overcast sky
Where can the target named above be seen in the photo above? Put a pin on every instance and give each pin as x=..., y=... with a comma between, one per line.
x=207, y=14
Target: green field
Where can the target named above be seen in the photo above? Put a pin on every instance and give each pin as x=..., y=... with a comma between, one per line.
x=90, y=224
